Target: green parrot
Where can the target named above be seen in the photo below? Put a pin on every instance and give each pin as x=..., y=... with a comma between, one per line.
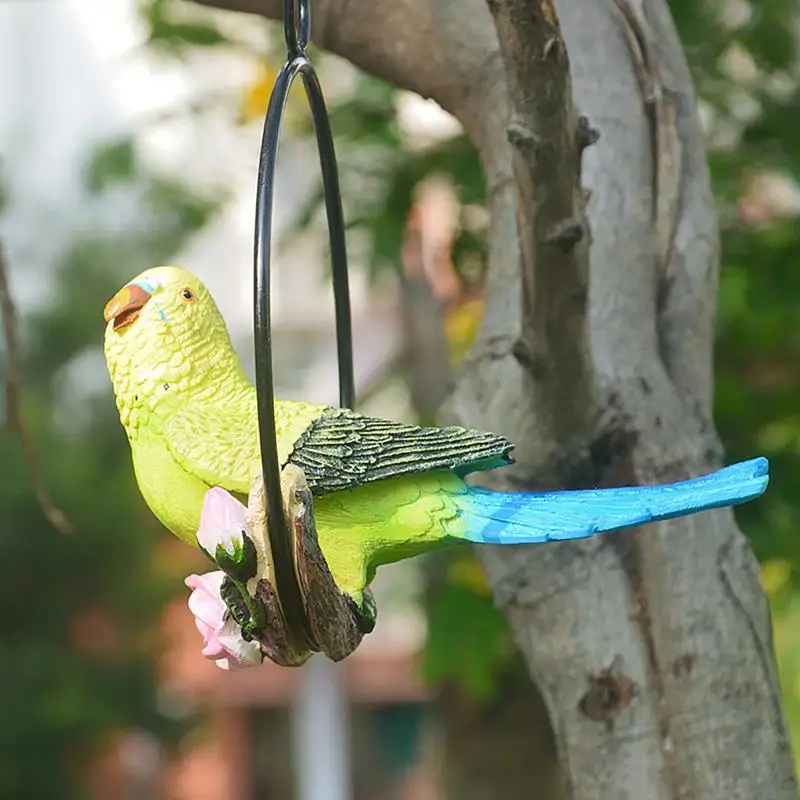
x=383, y=490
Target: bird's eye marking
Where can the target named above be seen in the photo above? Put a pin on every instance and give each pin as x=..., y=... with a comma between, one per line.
x=166, y=386
x=187, y=294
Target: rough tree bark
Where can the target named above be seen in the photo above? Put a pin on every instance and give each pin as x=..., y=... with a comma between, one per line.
x=652, y=650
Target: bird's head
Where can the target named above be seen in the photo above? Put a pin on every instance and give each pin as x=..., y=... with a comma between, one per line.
x=163, y=329
x=158, y=297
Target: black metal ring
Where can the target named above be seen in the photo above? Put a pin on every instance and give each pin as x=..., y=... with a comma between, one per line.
x=280, y=538
x=296, y=26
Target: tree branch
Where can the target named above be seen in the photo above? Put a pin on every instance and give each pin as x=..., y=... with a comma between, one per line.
x=15, y=421
x=688, y=293
x=552, y=227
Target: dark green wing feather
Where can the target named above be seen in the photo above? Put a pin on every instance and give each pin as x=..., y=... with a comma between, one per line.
x=342, y=450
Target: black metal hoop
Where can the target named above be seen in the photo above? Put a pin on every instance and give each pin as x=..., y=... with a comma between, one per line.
x=296, y=30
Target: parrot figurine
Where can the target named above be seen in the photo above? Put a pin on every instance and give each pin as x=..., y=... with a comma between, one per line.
x=382, y=491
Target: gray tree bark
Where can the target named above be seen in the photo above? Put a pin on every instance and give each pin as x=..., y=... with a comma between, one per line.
x=651, y=648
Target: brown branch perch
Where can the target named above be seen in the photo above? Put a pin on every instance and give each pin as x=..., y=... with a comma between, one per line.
x=337, y=624
x=15, y=421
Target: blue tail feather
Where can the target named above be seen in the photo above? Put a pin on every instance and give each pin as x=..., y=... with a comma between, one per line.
x=523, y=518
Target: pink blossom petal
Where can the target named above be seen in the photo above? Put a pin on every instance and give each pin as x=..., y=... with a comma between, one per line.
x=207, y=609
x=205, y=602
x=213, y=650
x=222, y=636
x=222, y=522
x=206, y=631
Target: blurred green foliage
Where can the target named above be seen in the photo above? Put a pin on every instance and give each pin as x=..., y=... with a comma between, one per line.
x=80, y=611
x=175, y=29
x=468, y=640
x=379, y=174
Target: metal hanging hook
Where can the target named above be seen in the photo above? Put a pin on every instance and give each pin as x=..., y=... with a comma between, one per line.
x=297, y=25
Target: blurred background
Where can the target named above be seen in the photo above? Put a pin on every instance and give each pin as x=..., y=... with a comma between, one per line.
x=129, y=137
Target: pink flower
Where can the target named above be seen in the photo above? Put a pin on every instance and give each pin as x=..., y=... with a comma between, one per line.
x=222, y=523
x=224, y=535
x=224, y=644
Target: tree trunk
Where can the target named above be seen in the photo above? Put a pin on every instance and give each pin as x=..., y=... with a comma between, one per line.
x=652, y=648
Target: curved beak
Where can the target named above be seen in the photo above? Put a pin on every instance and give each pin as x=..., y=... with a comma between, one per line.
x=125, y=305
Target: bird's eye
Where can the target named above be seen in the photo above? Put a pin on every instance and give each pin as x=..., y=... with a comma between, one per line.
x=187, y=294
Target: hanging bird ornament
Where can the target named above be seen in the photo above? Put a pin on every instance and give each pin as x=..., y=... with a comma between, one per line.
x=359, y=492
